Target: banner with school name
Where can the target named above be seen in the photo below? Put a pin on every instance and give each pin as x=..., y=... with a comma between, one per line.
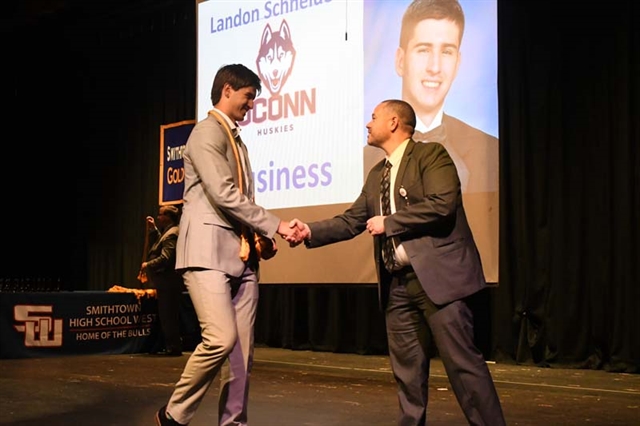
x=72, y=323
x=173, y=139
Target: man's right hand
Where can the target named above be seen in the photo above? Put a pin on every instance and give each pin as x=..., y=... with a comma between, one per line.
x=302, y=232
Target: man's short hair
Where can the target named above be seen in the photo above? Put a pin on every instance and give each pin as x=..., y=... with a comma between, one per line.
x=172, y=212
x=419, y=10
x=237, y=76
x=404, y=111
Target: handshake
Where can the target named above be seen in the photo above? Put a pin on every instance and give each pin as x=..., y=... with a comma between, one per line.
x=294, y=232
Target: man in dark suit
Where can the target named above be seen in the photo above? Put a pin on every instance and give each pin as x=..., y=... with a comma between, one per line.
x=160, y=269
x=434, y=267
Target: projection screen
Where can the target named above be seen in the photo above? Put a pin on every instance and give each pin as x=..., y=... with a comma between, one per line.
x=324, y=65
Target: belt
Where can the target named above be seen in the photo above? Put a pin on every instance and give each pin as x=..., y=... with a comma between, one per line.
x=404, y=273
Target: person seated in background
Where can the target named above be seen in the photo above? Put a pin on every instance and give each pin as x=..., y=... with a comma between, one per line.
x=162, y=275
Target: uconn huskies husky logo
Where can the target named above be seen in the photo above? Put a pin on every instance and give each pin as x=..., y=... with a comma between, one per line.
x=275, y=58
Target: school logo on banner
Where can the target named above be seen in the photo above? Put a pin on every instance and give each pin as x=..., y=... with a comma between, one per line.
x=38, y=325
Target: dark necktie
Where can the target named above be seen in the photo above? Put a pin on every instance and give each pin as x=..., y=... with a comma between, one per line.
x=388, y=252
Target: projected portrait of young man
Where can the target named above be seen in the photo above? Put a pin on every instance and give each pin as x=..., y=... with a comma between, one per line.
x=428, y=59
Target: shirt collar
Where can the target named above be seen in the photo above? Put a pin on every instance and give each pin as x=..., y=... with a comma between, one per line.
x=396, y=155
x=235, y=129
x=437, y=120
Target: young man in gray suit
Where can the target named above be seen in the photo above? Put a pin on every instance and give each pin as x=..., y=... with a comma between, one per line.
x=434, y=266
x=218, y=208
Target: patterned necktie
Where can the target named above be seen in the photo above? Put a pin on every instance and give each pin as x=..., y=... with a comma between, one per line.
x=388, y=252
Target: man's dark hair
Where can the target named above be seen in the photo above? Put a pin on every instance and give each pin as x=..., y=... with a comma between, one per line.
x=237, y=76
x=419, y=10
x=405, y=113
x=173, y=213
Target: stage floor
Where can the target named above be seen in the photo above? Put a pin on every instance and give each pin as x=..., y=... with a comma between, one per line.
x=299, y=388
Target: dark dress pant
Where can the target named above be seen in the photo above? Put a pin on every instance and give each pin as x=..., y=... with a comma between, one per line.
x=412, y=318
x=169, y=292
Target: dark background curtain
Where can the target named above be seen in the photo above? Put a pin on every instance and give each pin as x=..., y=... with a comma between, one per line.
x=87, y=88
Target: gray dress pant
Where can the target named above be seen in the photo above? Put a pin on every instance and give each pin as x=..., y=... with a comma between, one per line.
x=226, y=309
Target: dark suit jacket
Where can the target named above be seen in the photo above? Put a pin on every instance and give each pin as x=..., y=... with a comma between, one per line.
x=430, y=222
x=161, y=258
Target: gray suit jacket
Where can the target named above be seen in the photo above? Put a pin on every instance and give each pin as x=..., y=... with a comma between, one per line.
x=214, y=207
x=430, y=222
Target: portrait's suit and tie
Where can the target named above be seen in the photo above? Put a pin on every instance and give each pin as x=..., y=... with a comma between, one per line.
x=218, y=207
x=440, y=267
